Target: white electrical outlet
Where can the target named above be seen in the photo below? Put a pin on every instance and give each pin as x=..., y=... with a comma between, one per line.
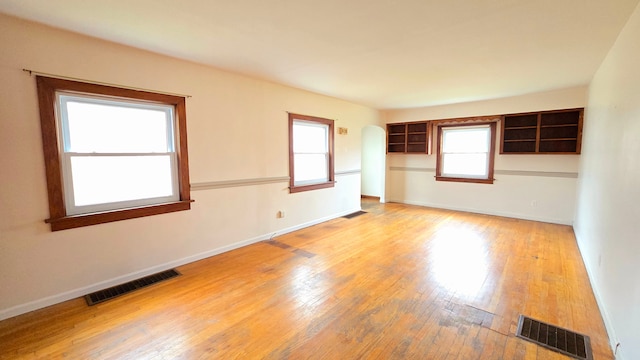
x=280, y=214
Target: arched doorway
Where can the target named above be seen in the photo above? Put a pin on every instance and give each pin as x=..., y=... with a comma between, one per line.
x=373, y=162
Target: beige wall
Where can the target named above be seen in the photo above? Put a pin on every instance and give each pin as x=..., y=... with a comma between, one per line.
x=608, y=212
x=536, y=187
x=237, y=130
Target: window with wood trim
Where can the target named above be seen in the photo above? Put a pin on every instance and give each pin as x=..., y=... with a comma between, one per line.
x=466, y=153
x=310, y=153
x=111, y=153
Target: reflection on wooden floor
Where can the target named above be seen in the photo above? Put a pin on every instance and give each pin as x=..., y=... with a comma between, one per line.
x=400, y=282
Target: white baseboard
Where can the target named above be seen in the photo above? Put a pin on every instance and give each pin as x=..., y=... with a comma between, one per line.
x=485, y=212
x=75, y=293
x=613, y=339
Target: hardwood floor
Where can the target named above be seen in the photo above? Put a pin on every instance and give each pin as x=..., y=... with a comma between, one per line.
x=399, y=282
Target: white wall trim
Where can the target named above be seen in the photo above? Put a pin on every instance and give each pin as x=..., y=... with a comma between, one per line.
x=570, y=175
x=613, y=338
x=236, y=183
x=408, y=168
x=207, y=185
x=348, y=172
x=75, y=293
x=485, y=212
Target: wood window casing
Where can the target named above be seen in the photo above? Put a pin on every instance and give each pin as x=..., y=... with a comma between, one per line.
x=59, y=219
x=490, y=159
x=330, y=182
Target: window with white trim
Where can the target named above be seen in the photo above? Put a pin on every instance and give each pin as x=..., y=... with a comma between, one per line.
x=116, y=153
x=310, y=153
x=112, y=153
x=466, y=153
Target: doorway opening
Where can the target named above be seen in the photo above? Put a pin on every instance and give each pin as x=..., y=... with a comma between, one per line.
x=373, y=165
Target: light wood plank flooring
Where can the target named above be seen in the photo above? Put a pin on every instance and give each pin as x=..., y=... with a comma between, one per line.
x=400, y=282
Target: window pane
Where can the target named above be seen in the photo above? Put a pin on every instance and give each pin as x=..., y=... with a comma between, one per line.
x=475, y=165
x=466, y=140
x=310, y=138
x=310, y=168
x=115, y=127
x=105, y=179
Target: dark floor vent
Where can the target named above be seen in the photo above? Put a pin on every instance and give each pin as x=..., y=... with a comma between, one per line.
x=110, y=293
x=555, y=338
x=352, y=215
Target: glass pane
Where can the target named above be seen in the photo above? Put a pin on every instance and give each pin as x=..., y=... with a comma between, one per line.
x=474, y=165
x=116, y=127
x=310, y=138
x=466, y=140
x=310, y=168
x=106, y=179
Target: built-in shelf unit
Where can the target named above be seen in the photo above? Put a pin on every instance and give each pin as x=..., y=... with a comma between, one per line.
x=544, y=132
x=409, y=138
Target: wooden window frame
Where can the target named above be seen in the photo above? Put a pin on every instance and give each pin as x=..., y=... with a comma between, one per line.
x=59, y=220
x=331, y=171
x=492, y=153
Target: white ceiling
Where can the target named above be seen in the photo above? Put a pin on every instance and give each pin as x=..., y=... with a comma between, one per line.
x=381, y=53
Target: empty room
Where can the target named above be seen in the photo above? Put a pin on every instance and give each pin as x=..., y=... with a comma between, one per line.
x=320, y=179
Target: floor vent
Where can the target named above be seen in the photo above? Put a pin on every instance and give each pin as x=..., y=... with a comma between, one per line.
x=561, y=340
x=352, y=215
x=110, y=293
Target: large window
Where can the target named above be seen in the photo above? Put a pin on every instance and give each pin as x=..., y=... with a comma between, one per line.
x=310, y=153
x=111, y=154
x=466, y=153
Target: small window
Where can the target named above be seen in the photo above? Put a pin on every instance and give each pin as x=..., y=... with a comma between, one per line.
x=466, y=153
x=310, y=153
x=112, y=154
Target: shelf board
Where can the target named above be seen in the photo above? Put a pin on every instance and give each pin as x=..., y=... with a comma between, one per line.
x=559, y=139
x=557, y=152
x=520, y=127
x=558, y=125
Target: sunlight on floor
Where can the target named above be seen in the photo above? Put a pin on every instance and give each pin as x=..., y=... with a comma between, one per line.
x=459, y=260
x=307, y=288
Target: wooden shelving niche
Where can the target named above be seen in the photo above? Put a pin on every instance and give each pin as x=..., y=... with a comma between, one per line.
x=409, y=138
x=547, y=132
